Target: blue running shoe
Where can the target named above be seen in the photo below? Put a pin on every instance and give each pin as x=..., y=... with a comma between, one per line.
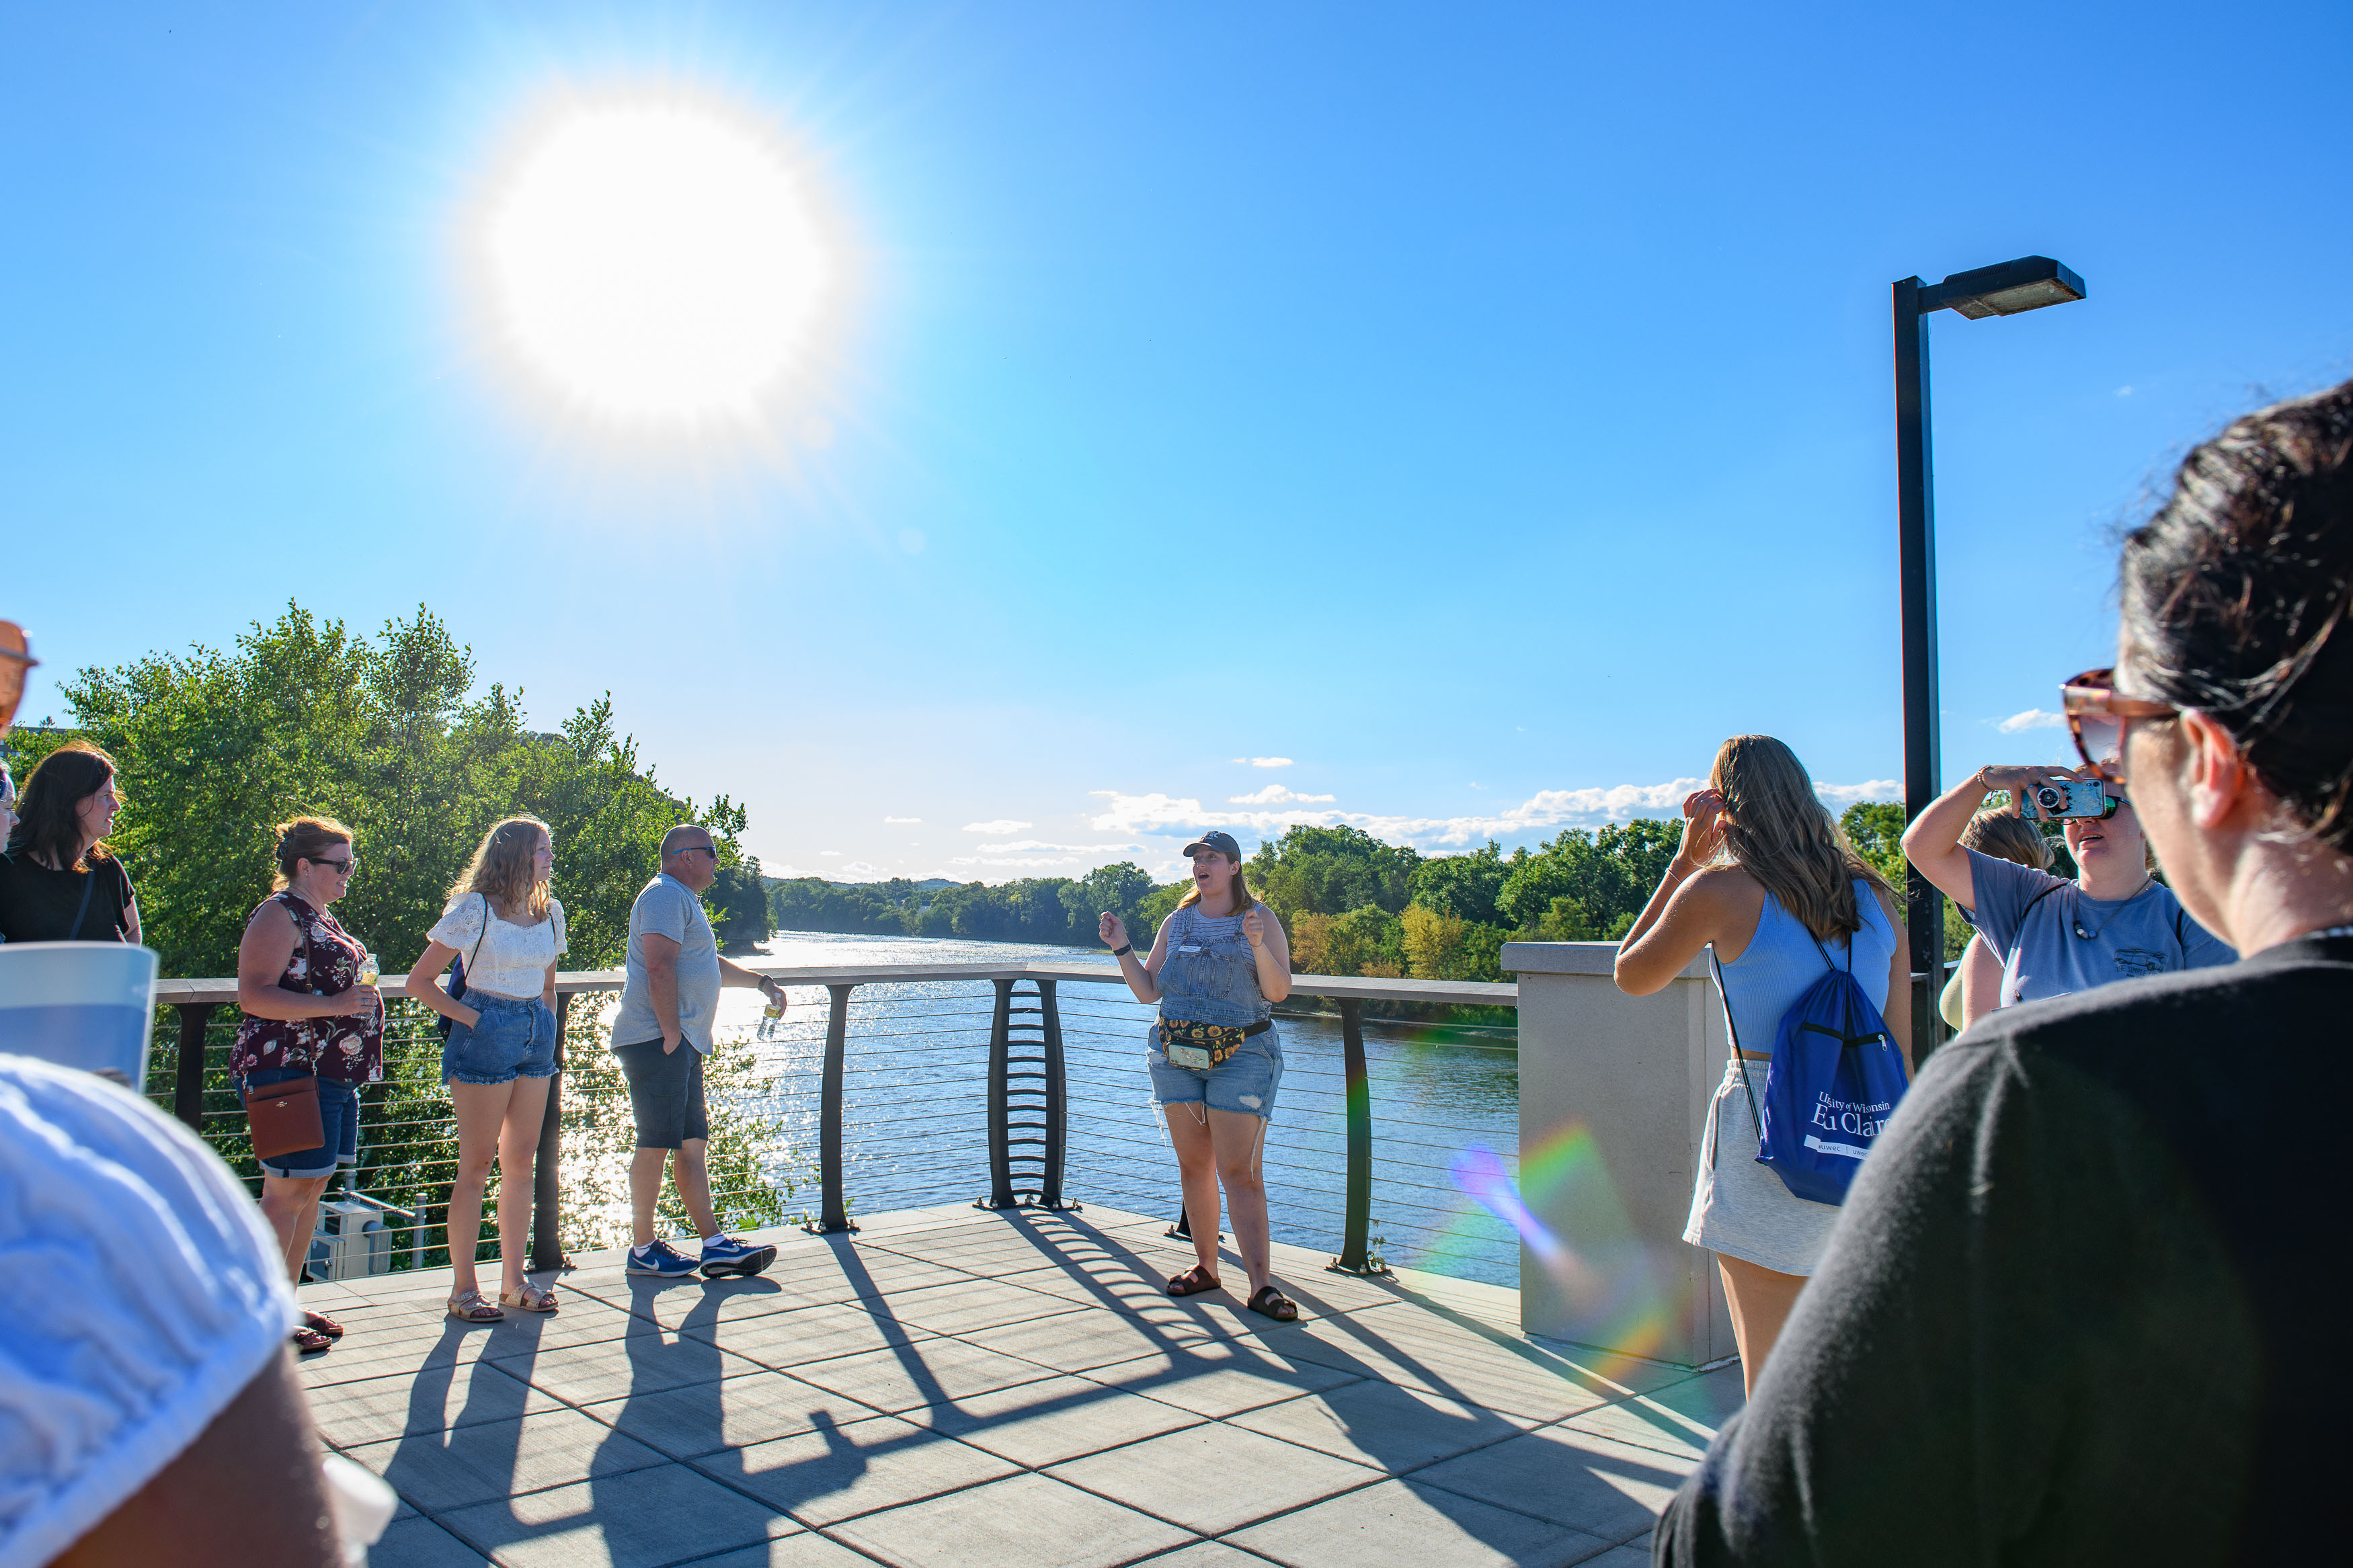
x=725, y=1255
x=661, y=1260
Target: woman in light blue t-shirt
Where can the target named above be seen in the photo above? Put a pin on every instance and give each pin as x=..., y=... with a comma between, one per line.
x=2054, y=937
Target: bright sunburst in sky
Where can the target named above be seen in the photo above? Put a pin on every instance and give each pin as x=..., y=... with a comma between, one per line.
x=656, y=263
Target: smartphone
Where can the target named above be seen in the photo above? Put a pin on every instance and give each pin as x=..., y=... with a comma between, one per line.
x=2074, y=797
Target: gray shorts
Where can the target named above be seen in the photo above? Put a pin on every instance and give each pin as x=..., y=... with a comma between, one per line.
x=666, y=1092
x=1739, y=1207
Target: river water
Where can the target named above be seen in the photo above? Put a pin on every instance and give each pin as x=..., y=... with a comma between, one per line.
x=916, y=1119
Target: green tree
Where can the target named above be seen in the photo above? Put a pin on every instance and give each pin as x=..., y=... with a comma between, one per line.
x=739, y=899
x=215, y=746
x=1875, y=828
x=1120, y=889
x=1463, y=886
x=1605, y=878
x=1328, y=870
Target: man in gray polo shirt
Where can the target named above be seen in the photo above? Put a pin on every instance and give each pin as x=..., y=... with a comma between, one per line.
x=661, y=1036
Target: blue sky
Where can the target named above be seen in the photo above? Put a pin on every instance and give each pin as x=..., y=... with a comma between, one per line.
x=1487, y=412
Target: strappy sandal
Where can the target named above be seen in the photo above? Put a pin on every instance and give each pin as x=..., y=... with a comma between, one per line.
x=530, y=1298
x=470, y=1308
x=319, y=1324
x=311, y=1341
x=1272, y=1304
x=1192, y=1282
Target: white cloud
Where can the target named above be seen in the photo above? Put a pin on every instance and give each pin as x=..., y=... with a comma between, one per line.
x=833, y=854
x=902, y=819
x=1016, y=862
x=1002, y=824
x=1837, y=797
x=1034, y=846
x=2124, y=392
x=1265, y=762
x=1273, y=794
x=1162, y=813
x=2032, y=719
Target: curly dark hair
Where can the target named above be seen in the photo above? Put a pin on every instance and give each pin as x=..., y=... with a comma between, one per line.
x=2235, y=597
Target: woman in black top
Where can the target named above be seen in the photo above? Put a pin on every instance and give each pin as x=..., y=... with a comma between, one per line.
x=58, y=881
x=2076, y=1309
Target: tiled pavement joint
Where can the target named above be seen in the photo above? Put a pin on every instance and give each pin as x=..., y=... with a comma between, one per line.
x=984, y=1390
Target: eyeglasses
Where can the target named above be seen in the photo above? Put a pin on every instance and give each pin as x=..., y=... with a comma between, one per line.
x=339, y=867
x=700, y=850
x=2097, y=718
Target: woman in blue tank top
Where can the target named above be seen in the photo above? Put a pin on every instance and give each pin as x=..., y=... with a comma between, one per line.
x=1217, y=966
x=1765, y=878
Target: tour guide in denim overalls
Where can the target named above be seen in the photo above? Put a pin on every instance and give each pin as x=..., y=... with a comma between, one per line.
x=1220, y=958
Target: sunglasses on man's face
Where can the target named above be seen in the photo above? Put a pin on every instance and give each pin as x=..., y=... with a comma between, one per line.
x=700, y=850
x=2097, y=717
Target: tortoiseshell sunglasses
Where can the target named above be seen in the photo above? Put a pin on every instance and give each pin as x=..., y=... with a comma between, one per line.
x=2097, y=717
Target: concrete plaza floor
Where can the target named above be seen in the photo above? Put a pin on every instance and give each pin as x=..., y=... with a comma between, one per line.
x=954, y=1387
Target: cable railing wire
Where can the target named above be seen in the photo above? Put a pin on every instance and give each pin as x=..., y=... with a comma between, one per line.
x=1430, y=1098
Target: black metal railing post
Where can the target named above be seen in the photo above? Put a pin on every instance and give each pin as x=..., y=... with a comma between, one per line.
x=188, y=1083
x=833, y=1216
x=1038, y=1120
x=1000, y=1134
x=1356, y=1235
x=1057, y=1132
x=546, y=1216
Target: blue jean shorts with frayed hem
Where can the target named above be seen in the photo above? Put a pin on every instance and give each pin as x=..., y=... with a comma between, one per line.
x=1244, y=1082
x=515, y=1037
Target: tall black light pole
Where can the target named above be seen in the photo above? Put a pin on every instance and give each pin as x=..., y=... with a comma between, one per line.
x=2027, y=284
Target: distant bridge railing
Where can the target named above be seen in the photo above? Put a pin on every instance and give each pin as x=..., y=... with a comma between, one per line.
x=993, y=1080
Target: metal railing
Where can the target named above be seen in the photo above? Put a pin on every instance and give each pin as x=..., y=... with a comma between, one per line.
x=905, y=1051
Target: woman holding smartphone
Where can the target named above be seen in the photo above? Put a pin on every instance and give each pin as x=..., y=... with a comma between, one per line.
x=2054, y=937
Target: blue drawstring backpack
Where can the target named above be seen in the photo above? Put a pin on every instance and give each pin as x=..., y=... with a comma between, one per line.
x=1834, y=1079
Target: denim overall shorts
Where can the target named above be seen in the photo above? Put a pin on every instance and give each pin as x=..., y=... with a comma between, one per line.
x=1211, y=975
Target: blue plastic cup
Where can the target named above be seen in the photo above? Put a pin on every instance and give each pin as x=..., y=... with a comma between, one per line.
x=86, y=1005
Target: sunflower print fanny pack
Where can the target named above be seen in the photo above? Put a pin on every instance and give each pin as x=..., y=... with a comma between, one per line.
x=1190, y=1043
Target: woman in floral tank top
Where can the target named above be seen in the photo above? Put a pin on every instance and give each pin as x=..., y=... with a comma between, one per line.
x=307, y=1015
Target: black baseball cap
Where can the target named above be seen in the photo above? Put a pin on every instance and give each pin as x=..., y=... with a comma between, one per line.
x=1223, y=843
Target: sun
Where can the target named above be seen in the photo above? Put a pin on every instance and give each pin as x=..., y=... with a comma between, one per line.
x=657, y=263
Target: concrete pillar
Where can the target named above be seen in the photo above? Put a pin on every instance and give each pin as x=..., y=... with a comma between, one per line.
x=1613, y=1095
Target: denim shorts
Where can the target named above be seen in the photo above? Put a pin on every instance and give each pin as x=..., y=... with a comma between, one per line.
x=1244, y=1082
x=339, y=1120
x=515, y=1038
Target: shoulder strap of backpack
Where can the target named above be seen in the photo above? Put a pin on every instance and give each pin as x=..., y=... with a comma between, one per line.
x=477, y=940
x=1732, y=1029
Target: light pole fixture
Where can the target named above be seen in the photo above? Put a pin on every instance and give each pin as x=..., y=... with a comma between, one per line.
x=2028, y=283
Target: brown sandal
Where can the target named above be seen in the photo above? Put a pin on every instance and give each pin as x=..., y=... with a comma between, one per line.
x=1272, y=1304
x=311, y=1341
x=1192, y=1282
x=530, y=1298
x=319, y=1324
x=470, y=1308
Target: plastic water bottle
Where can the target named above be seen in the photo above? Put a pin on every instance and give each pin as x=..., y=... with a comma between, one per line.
x=772, y=1021
x=370, y=973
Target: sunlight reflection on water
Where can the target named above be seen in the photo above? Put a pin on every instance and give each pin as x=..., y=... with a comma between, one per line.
x=915, y=1129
